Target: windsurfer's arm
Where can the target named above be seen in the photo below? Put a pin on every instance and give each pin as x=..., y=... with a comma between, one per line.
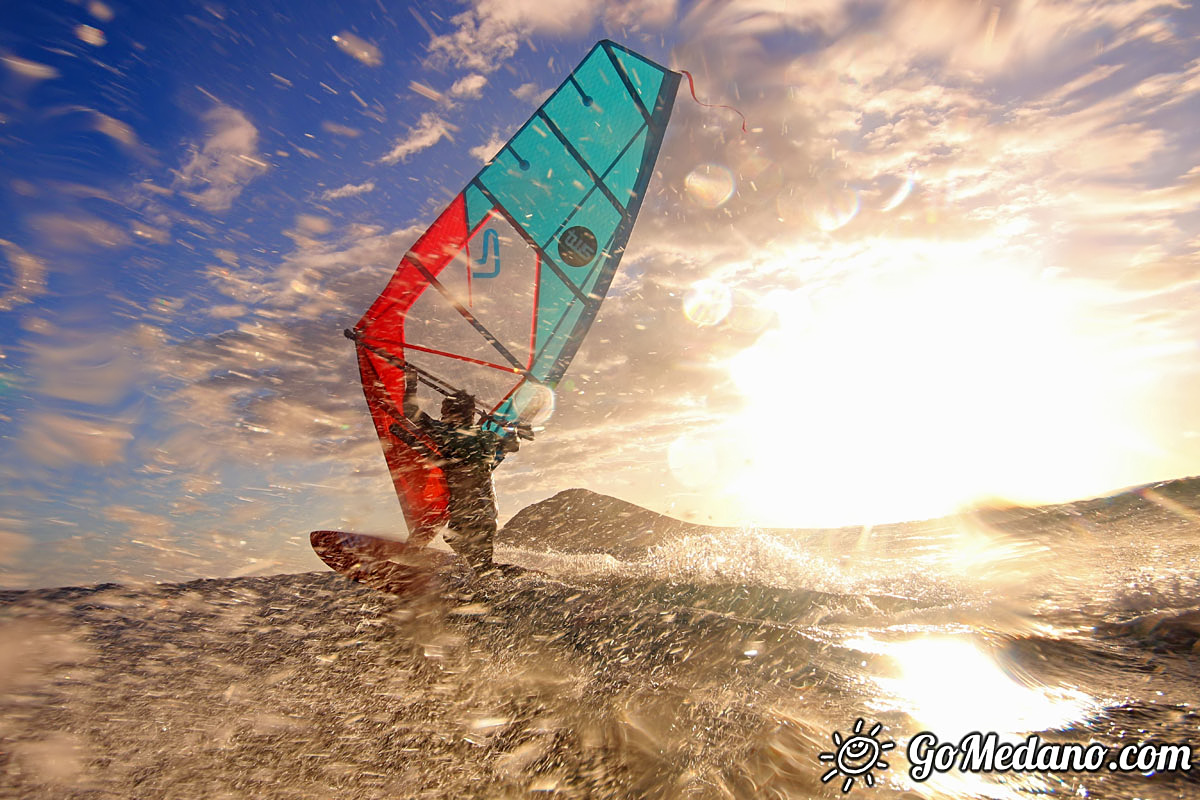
x=414, y=441
x=511, y=442
x=503, y=446
x=416, y=419
x=411, y=410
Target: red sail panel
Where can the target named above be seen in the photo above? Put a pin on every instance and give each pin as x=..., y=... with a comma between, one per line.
x=433, y=251
x=420, y=485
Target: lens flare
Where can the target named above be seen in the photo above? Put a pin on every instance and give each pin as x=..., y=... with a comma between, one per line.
x=900, y=195
x=749, y=313
x=833, y=208
x=760, y=174
x=827, y=208
x=710, y=185
x=707, y=302
x=534, y=403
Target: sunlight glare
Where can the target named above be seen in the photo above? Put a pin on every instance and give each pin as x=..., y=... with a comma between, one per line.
x=912, y=391
x=951, y=686
x=692, y=461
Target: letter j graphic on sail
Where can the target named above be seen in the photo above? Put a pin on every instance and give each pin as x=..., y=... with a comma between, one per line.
x=491, y=244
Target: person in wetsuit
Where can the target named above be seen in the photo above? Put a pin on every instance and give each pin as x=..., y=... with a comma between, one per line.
x=466, y=454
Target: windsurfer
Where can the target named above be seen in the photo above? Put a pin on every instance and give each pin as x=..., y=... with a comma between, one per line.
x=466, y=454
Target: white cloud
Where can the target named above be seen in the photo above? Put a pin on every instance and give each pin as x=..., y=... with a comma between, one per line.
x=100, y=11
x=469, y=87
x=280, y=383
x=491, y=32
x=349, y=190
x=749, y=18
x=12, y=544
x=638, y=14
x=218, y=171
x=58, y=440
x=83, y=369
x=311, y=223
x=478, y=43
x=485, y=152
x=428, y=131
x=531, y=93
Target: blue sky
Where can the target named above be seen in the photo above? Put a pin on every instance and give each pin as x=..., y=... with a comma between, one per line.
x=954, y=259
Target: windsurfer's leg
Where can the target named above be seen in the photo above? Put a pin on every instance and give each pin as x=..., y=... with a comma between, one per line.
x=472, y=539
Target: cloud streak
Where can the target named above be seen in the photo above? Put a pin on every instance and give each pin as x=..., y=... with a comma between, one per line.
x=28, y=277
x=430, y=129
x=349, y=190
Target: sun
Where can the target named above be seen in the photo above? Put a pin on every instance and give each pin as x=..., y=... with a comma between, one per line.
x=914, y=393
x=856, y=755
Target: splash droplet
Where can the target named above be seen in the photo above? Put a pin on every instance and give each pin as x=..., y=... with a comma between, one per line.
x=93, y=36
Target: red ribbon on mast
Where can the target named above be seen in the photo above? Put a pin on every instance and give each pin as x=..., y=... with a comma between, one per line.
x=692, y=86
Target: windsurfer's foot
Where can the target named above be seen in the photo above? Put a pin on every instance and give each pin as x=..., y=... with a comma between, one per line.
x=484, y=567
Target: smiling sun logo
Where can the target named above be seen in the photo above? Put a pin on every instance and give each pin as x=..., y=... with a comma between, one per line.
x=856, y=755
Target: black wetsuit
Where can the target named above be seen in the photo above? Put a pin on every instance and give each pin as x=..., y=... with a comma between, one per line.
x=467, y=455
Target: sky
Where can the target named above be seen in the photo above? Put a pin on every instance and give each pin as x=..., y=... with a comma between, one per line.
x=953, y=259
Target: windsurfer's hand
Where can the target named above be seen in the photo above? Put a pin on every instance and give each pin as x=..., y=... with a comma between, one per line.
x=410, y=382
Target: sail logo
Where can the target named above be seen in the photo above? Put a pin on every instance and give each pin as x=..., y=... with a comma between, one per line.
x=491, y=243
x=577, y=246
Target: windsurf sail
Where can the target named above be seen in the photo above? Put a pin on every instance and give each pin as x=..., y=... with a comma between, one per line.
x=497, y=295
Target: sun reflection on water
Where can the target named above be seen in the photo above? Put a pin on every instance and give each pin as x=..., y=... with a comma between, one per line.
x=950, y=686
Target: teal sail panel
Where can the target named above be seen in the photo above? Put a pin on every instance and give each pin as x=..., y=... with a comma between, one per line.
x=572, y=181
